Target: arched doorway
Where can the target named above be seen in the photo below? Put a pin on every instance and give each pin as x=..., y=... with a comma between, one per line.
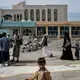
x=7, y=17
x=27, y=32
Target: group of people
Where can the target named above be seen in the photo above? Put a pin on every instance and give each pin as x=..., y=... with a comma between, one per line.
x=5, y=45
x=42, y=73
x=66, y=52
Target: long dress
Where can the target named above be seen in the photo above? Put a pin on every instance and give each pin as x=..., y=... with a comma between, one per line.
x=67, y=52
x=45, y=44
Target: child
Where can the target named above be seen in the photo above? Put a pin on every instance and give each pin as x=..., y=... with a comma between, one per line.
x=42, y=73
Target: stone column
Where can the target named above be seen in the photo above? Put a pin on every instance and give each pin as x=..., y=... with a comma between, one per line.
x=58, y=32
x=28, y=14
x=34, y=14
x=46, y=15
x=16, y=17
x=41, y=15
x=47, y=29
x=52, y=15
x=70, y=32
x=23, y=15
x=13, y=17
x=11, y=32
x=36, y=30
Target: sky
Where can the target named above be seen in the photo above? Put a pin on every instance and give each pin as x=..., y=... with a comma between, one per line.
x=73, y=5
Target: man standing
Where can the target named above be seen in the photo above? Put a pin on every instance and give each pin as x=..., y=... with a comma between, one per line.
x=5, y=49
x=16, y=49
x=44, y=44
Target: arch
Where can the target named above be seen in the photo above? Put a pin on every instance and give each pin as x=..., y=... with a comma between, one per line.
x=55, y=14
x=7, y=17
x=43, y=15
x=26, y=14
x=32, y=15
x=27, y=32
x=37, y=15
x=49, y=14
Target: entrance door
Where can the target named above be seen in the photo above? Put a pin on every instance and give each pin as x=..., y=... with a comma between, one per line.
x=27, y=32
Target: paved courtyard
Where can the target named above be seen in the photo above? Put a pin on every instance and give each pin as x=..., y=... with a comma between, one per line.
x=60, y=69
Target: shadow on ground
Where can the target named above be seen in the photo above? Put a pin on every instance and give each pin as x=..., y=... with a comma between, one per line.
x=22, y=62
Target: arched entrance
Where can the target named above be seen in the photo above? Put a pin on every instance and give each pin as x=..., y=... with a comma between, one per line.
x=27, y=32
x=7, y=17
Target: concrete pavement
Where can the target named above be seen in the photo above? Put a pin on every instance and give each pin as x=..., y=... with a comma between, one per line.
x=60, y=69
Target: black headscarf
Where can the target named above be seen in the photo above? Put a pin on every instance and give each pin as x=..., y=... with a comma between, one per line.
x=67, y=35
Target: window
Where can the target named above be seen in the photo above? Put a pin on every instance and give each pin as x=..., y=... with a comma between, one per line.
x=55, y=15
x=74, y=28
x=49, y=28
x=63, y=29
x=26, y=14
x=75, y=31
x=78, y=27
x=49, y=14
x=40, y=30
x=37, y=15
x=17, y=17
x=20, y=17
x=31, y=14
x=14, y=17
x=43, y=15
x=53, y=30
x=66, y=28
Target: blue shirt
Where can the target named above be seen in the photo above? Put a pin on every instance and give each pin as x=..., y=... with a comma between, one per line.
x=5, y=44
x=0, y=45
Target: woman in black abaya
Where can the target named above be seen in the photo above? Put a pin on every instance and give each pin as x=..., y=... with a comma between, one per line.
x=67, y=53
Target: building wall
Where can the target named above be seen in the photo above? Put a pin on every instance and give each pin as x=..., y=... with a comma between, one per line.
x=62, y=11
x=19, y=29
x=12, y=12
x=1, y=13
x=21, y=7
x=53, y=29
x=57, y=29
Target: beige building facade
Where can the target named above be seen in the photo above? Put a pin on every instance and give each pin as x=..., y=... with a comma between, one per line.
x=35, y=12
x=35, y=19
